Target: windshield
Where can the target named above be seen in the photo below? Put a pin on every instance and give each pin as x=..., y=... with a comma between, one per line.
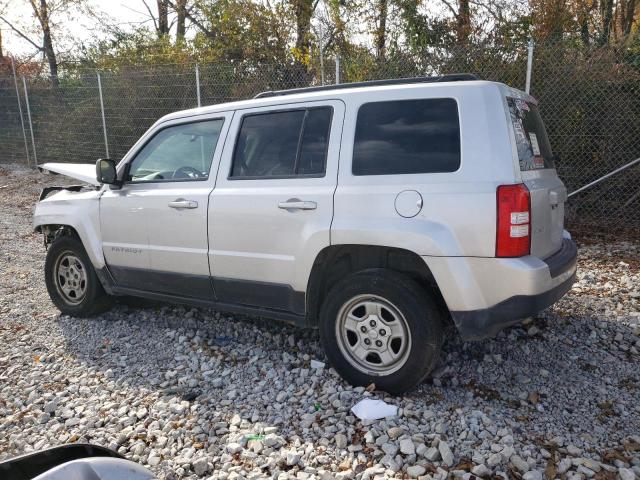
x=534, y=149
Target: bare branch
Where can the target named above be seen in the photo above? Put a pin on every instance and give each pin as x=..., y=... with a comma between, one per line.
x=155, y=23
x=195, y=21
x=453, y=10
x=39, y=47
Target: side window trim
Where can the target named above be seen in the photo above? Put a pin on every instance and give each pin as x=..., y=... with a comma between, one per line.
x=158, y=131
x=306, y=109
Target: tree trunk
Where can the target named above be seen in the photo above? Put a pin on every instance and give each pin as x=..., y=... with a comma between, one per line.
x=463, y=21
x=181, y=7
x=583, y=22
x=606, y=11
x=42, y=15
x=380, y=35
x=1, y=53
x=163, y=17
x=627, y=17
x=303, y=10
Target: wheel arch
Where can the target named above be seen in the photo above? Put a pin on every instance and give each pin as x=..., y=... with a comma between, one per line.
x=70, y=215
x=337, y=261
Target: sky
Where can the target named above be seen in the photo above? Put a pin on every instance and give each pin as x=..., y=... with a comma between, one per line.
x=124, y=13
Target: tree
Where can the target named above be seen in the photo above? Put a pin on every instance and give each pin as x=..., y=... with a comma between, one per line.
x=628, y=15
x=163, y=17
x=606, y=14
x=462, y=15
x=42, y=11
x=302, y=11
x=380, y=34
x=181, y=10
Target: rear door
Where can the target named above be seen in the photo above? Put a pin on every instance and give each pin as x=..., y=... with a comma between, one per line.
x=271, y=211
x=536, y=164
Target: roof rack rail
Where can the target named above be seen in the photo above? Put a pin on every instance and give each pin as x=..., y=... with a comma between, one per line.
x=455, y=77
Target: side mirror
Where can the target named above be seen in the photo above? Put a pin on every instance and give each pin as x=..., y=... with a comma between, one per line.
x=106, y=171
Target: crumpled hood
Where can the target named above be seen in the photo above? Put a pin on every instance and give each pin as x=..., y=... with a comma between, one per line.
x=85, y=172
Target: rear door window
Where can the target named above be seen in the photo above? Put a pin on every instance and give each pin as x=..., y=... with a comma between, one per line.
x=407, y=136
x=280, y=144
x=532, y=142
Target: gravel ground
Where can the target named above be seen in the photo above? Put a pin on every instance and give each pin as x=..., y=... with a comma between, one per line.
x=195, y=393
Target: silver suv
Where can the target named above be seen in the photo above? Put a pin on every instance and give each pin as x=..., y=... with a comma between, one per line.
x=377, y=212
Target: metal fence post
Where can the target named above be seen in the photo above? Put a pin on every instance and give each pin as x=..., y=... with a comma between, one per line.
x=33, y=140
x=527, y=87
x=198, y=83
x=321, y=55
x=24, y=132
x=104, y=122
x=337, y=69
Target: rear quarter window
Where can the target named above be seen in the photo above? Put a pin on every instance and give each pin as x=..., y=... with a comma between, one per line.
x=406, y=137
x=532, y=142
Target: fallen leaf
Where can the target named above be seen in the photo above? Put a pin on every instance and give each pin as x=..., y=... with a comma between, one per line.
x=551, y=471
x=534, y=398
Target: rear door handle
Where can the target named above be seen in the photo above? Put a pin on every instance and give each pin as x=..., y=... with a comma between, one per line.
x=296, y=204
x=180, y=203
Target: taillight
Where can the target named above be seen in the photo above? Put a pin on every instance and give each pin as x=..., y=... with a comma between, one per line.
x=513, y=232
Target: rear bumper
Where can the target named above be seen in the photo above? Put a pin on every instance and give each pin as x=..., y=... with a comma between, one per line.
x=486, y=323
x=485, y=295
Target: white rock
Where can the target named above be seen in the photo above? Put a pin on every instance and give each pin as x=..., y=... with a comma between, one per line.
x=292, y=458
x=532, y=475
x=407, y=447
x=446, y=453
x=415, y=471
x=200, y=466
x=234, y=448
x=520, y=464
x=341, y=441
x=494, y=460
x=432, y=454
x=626, y=474
x=481, y=470
x=315, y=364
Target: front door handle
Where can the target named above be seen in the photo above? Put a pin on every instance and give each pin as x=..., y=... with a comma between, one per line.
x=296, y=204
x=181, y=203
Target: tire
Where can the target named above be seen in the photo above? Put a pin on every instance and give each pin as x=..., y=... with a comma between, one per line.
x=404, y=330
x=71, y=281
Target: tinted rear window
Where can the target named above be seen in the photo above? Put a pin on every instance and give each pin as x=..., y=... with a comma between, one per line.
x=407, y=136
x=534, y=149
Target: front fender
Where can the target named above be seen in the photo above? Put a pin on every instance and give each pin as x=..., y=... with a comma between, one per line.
x=78, y=210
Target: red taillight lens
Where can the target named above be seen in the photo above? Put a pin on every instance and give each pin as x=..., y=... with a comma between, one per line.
x=513, y=233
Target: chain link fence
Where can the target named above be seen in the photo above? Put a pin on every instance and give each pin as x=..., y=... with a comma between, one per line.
x=590, y=101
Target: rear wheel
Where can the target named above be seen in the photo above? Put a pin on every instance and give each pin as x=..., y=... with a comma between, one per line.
x=71, y=280
x=379, y=326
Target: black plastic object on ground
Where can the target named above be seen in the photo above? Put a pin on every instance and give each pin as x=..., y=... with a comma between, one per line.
x=30, y=465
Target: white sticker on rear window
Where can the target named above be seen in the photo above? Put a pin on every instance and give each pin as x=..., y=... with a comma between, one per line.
x=534, y=143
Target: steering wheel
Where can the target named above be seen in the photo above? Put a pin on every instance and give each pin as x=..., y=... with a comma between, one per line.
x=187, y=171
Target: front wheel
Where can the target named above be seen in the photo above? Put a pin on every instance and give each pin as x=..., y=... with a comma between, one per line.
x=379, y=326
x=71, y=280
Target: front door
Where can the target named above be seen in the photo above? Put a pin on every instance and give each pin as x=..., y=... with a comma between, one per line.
x=154, y=229
x=270, y=213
